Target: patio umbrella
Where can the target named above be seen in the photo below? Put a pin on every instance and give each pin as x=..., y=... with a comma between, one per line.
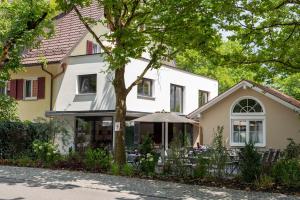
x=164, y=118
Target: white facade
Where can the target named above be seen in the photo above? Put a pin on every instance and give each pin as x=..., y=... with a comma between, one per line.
x=68, y=98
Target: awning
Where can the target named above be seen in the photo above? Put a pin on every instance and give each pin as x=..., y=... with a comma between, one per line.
x=162, y=117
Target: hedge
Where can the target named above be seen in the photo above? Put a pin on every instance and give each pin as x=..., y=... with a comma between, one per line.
x=16, y=138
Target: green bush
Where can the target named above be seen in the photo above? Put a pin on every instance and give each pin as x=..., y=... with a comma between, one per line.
x=292, y=150
x=45, y=151
x=97, y=159
x=250, y=164
x=8, y=108
x=16, y=138
x=264, y=182
x=148, y=163
x=115, y=169
x=287, y=172
x=218, y=154
x=128, y=170
x=201, y=169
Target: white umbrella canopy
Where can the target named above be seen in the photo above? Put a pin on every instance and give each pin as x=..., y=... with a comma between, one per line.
x=163, y=116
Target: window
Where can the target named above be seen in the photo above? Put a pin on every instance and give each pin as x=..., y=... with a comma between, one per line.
x=202, y=98
x=145, y=88
x=247, y=123
x=96, y=48
x=92, y=48
x=31, y=89
x=2, y=89
x=176, y=97
x=87, y=84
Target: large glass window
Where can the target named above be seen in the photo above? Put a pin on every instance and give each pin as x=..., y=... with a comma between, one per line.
x=87, y=83
x=176, y=97
x=247, y=123
x=202, y=98
x=145, y=88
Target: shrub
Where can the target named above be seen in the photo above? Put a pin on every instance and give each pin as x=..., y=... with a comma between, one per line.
x=201, y=169
x=8, y=108
x=218, y=153
x=115, y=169
x=147, y=146
x=45, y=151
x=264, y=182
x=147, y=164
x=128, y=170
x=287, y=172
x=250, y=164
x=292, y=150
x=16, y=138
x=97, y=159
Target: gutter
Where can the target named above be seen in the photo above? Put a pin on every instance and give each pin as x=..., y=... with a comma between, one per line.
x=52, y=78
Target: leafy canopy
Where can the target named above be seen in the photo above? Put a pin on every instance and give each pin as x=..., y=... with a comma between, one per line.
x=23, y=23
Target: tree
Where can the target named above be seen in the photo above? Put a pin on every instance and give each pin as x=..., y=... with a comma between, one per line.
x=8, y=109
x=22, y=24
x=160, y=28
x=269, y=31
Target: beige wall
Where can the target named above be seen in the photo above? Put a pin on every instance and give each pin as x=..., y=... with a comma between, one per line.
x=80, y=48
x=281, y=122
x=32, y=109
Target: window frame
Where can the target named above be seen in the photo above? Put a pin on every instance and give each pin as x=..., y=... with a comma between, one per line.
x=204, y=92
x=151, y=89
x=5, y=88
x=31, y=92
x=78, y=85
x=182, y=97
x=259, y=116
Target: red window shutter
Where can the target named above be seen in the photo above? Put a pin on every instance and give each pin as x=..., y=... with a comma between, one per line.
x=41, y=88
x=20, y=83
x=89, y=47
x=13, y=88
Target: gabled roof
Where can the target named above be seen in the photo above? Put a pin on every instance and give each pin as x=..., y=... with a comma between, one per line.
x=69, y=30
x=281, y=98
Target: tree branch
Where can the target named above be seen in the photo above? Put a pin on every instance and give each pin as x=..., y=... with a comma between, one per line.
x=87, y=26
x=30, y=25
x=132, y=12
x=140, y=77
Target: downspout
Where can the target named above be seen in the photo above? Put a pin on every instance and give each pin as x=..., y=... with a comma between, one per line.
x=53, y=77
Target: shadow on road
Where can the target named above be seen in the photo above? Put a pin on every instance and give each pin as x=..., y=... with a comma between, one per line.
x=144, y=189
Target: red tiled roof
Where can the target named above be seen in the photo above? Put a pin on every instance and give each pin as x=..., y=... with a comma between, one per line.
x=277, y=94
x=68, y=32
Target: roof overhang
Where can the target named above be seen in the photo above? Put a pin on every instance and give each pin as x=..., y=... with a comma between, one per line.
x=243, y=84
x=81, y=113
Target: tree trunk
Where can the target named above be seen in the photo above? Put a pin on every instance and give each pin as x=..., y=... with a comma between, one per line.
x=120, y=92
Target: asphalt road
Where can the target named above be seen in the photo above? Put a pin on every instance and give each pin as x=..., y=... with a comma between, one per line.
x=40, y=184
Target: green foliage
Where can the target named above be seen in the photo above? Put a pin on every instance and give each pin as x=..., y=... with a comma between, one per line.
x=115, y=169
x=147, y=145
x=288, y=84
x=201, y=169
x=287, y=172
x=250, y=164
x=97, y=159
x=45, y=151
x=218, y=153
x=148, y=163
x=128, y=170
x=8, y=109
x=264, y=182
x=16, y=138
x=292, y=151
x=22, y=23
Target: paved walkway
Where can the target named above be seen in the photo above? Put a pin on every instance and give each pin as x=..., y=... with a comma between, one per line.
x=40, y=184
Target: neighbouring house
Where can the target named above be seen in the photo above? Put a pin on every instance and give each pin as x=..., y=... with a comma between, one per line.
x=250, y=111
x=76, y=86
